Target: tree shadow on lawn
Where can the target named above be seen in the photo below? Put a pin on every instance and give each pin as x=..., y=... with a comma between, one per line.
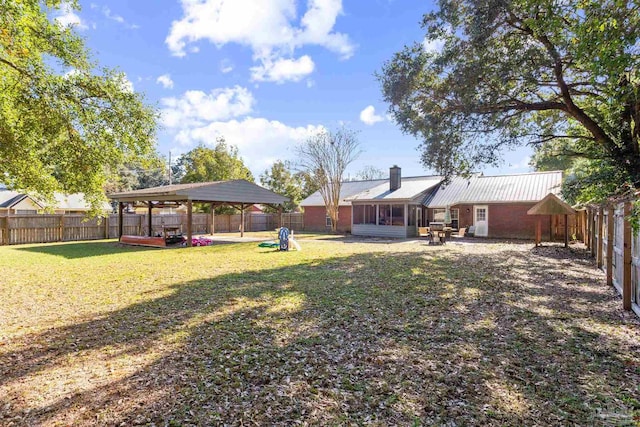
x=389, y=338
x=85, y=249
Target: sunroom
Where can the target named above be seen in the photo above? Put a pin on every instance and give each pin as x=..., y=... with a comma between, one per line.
x=392, y=209
x=385, y=219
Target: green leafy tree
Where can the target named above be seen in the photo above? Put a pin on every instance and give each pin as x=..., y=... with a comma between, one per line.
x=63, y=122
x=283, y=180
x=203, y=164
x=324, y=157
x=494, y=74
x=136, y=175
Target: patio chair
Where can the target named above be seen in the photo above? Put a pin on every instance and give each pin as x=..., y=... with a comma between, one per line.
x=460, y=232
x=424, y=232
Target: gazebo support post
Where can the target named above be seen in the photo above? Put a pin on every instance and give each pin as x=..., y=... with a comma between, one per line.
x=241, y=219
x=213, y=218
x=189, y=221
x=539, y=231
x=120, y=219
x=566, y=230
x=149, y=221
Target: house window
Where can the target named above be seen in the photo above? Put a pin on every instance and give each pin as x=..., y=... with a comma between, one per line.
x=397, y=215
x=412, y=216
x=26, y=211
x=384, y=215
x=481, y=214
x=364, y=214
x=438, y=216
x=327, y=220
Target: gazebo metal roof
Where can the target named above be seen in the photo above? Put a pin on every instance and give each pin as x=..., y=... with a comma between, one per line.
x=234, y=191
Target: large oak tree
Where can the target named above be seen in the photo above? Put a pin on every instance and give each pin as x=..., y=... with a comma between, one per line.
x=64, y=122
x=562, y=75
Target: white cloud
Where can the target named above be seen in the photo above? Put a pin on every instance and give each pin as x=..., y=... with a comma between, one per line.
x=271, y=28
x=66, y=17
x=369, y=117
x=282, y=70
x=195, y=107
x=259, y=140
x=114, y=17
x=197, y=117
x=165, y=81
x=226, y=66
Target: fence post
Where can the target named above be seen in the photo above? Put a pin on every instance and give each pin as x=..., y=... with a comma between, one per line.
x=61, y=228
x=626, y=283
x=610, y=224
x=600, y=236
x=5, y=234
x=593, y=233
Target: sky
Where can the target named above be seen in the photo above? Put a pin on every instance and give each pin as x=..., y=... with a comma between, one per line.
x=264, y=74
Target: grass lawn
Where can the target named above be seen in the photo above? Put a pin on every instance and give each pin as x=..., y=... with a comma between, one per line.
x=344, y=332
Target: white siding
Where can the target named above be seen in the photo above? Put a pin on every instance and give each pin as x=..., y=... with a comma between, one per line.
x=395, y=231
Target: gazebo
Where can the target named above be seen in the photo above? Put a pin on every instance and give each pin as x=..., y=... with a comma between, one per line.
x=237, y=193
x=551, y=205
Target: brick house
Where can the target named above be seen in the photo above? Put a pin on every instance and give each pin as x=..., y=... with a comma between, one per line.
x=495, y=205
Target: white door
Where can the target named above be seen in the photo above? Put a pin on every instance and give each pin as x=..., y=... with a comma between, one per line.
x=481, y=220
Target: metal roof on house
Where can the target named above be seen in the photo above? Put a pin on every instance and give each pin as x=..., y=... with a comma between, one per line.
x=347, y=190
x=234, y=191
x=410, y=189
x=528, y=187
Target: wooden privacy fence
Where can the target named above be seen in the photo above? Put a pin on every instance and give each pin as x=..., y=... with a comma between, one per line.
x=617, y=250
x=21, y=229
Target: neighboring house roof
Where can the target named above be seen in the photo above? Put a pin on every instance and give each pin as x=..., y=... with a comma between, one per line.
x=74, y=202
x=234, y=191
x=8, y=199
x=411, y=188
x=528, y=187
x=347, y=190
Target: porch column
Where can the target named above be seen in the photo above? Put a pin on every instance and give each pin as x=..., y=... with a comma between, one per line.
x=189, y=221
x=120, y=219
x=149, y=221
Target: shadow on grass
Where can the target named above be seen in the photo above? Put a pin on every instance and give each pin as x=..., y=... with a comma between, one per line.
x=85, y=249
x=389, y=338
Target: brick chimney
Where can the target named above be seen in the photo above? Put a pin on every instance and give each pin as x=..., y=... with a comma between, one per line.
x=395, y=178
